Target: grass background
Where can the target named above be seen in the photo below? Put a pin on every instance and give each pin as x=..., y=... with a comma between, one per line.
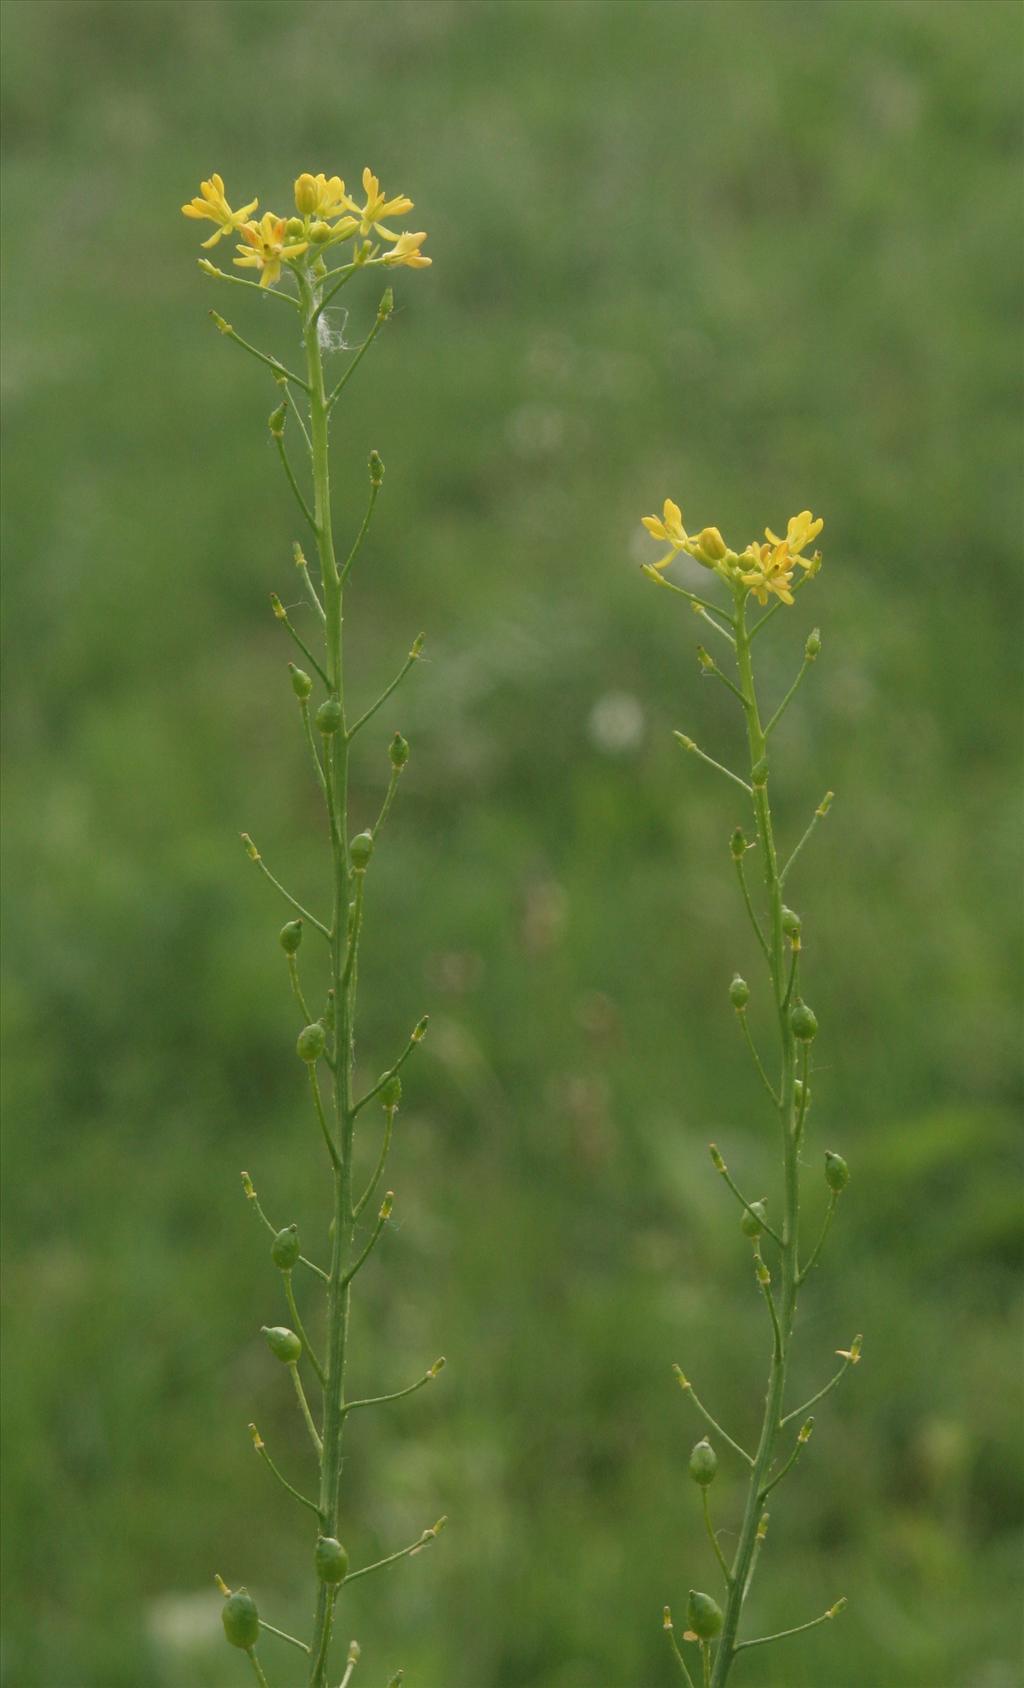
x=755, y=256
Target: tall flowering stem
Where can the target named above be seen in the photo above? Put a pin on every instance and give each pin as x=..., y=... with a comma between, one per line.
x=770, y=572
x=297, y=251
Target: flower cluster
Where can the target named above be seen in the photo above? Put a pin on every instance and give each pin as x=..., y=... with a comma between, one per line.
x=327, y=215
x=763, y=568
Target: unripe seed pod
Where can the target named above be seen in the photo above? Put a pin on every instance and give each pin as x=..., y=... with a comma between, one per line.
x=738, y=844
x=284, y=1250
x=240, y=1618
x=739, y=992
x=387, y=304
x=360, y=850
x=703, y=1615
x=398, y=750
x=302, y=685
x=803, y=1022
x=754, y=1219
x=790, y=923
x=391, y=1093
x=328, y=716
x=283, y=1343
x=309, y=1045
x=290, y=936
x=759, y=772
x=837, y=1173
x=703, y=1463
x=813, y=645
x=376, y=467
x=275, y=421
x=331, y=1560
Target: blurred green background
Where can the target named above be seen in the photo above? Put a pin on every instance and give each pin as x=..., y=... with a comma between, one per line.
x=753, y=256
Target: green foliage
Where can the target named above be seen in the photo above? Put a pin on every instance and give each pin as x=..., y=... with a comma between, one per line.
x=760, y=253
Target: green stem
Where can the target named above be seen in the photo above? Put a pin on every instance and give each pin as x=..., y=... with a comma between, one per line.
x=790, y=695
x=292, y=482
x=677, y=1651
x=314, y=1434
x=297, y=1326
x=361, y=535
x=719, y=1555
x=755, y=923
x=257, y=1667
x=805, y=1271
x=819, y=815
x=260, y=1446
x=403, y=1553
x=695, y=750
x=687, y=1387
x=368, y=714
x=271, y=1629
x=398, y=1394
x=354, y=365
x=254, y=351
x=780, y=1635
x=338, y=1293
x=782, y=1316
x=741, y=1016
x=367, y=1194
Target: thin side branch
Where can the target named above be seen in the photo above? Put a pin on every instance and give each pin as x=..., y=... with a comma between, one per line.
x=272, y=363
x=687, y=1387
x=254, y=856
x=850, y=1357
x=688, y=744
x=721, y=1167
x=819, y=815
x=399, y=1394
x=260, y=1446
x=414, y=654
x=418, y=1033
x=382, y=1218
x=415, y=1547
x=780, y=1635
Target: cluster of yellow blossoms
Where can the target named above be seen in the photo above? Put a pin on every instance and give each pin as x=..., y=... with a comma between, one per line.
x=327, y=215
x=762, y=568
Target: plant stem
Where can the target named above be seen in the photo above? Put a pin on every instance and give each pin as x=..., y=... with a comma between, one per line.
x=342, y=980
x=782, y=1316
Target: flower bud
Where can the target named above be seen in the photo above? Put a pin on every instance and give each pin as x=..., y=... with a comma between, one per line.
x=759, y=773
x=240, y=1618
x=813, y=645
x=798, y=1094
x=309, y=1045
x=277, y=607
x=275, y=421
x=283, y=1343
x=331, y=1560
x=328, y=716
x=307, y=194
x=739, y=993
x=284, y=1250
x=320, y=232
x=376, y=468
x=703, y=1463
x=360, y=850
x=391, y=1092
x=803, y=1022
x=387, y=304
x=294, y=227
x=222, y=326
x=705, y=658
x=398, y=750
x=302, y=685
x=290, y=936
x=753, y=1220
x=837, y=1173
x=710, y=545
x=703, y=1615
x=790, y=923
x=738, y=845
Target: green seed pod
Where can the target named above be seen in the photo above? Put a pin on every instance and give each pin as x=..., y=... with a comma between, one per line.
x=391, y=1094
x=738, y=845
x=284, y=1250
x=790, y=923
x=240, y=1618
x=376, y=467
x=837, y=1173
x=275, y=421
x=703, y=1615
x=398, y=750
x=290, y=936
x=309, y=1045
x=328, y=716
x=282, y=1342
x=803, y=1022
x=703, y=1463
x=754, y=1219
x=331, y=1560
x=302, y=685
x=813, y=645
x=387, y=304
x=360, y=850
x=739, y=992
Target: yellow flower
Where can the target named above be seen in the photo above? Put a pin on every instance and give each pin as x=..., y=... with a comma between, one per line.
x=406, y=250
x=266, y=249
x=800, y=531
x=321, y=197
x=215, y=207
x=772, y=571
x=668, y=527
x=377, y=207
